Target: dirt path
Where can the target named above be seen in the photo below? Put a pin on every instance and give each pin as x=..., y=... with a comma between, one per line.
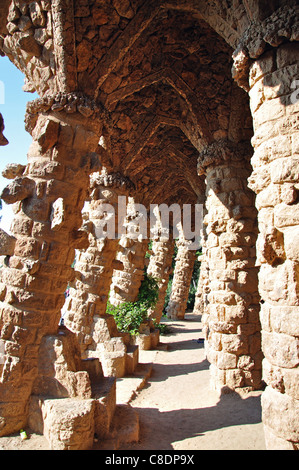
x=177, y=410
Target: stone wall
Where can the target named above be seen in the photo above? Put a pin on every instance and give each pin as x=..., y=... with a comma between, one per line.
x=85, y=307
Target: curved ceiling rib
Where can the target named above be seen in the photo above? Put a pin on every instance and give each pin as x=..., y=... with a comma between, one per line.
x=125, y=41
x=146, y=14
x=183, y=89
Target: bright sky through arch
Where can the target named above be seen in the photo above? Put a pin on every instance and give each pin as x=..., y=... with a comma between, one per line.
x=13, y=108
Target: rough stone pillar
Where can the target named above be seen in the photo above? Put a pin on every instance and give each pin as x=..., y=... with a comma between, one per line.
x=126, y=283
x=275, y=105
x=203, y=281
x=232, y=314
x=160, y=267
x=85, y=308
x=183, y=270
x=49, y=197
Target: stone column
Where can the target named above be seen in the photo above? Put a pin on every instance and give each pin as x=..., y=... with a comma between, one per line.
x=126, y=283
x=160, y=267
x=48, y=197
x=274, y=104
x=232, y=313
x=183, y=270
x=85, y=308
x=203, y=281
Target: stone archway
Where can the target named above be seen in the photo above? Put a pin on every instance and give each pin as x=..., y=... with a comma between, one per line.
x=144, y=89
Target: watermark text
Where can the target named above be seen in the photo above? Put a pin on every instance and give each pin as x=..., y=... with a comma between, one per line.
x=135, y=222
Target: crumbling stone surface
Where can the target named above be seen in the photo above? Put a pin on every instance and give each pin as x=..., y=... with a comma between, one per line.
x=7, y=243
x=12, y=170
x=126, y=283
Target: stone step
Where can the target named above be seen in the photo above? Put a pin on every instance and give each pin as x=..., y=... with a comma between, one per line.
x=66, y=423
x=104, y=394
x=127, y=387
x=147, y=341
x=132, y=357
x=124, y=429
x=70, y=423
x=93, y=366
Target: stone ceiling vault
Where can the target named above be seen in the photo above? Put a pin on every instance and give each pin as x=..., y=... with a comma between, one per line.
x=163, y=76
x=160, y=71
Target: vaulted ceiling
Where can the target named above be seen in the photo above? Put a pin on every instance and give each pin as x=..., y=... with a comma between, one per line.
x=159, y=70
x=163, y=77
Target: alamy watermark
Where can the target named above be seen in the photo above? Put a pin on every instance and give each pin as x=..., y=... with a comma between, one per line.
x=135, y=222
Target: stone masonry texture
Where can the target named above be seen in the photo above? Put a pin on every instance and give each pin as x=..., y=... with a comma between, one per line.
x=160, y=102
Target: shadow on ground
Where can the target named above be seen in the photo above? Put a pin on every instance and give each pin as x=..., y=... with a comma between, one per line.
x=159, y=430
x=184, y=411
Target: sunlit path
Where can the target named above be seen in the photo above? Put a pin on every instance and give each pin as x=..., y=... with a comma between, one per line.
x=177, y=410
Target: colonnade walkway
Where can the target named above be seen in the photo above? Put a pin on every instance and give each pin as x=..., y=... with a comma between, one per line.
x=176, y=408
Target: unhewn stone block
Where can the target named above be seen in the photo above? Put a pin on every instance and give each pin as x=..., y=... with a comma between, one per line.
x=281, y=414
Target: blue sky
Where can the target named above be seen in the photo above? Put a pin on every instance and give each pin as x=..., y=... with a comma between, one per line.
x=13, y=110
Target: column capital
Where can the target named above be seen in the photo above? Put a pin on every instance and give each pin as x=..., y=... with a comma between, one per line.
x=74, y=106
x=111, y=180
x=222, y=152
x=282, y=25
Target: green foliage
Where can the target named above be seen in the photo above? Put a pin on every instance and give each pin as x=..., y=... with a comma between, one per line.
x=149, y=250
x=164, y=329
x=129, y=315
x=149, y=291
